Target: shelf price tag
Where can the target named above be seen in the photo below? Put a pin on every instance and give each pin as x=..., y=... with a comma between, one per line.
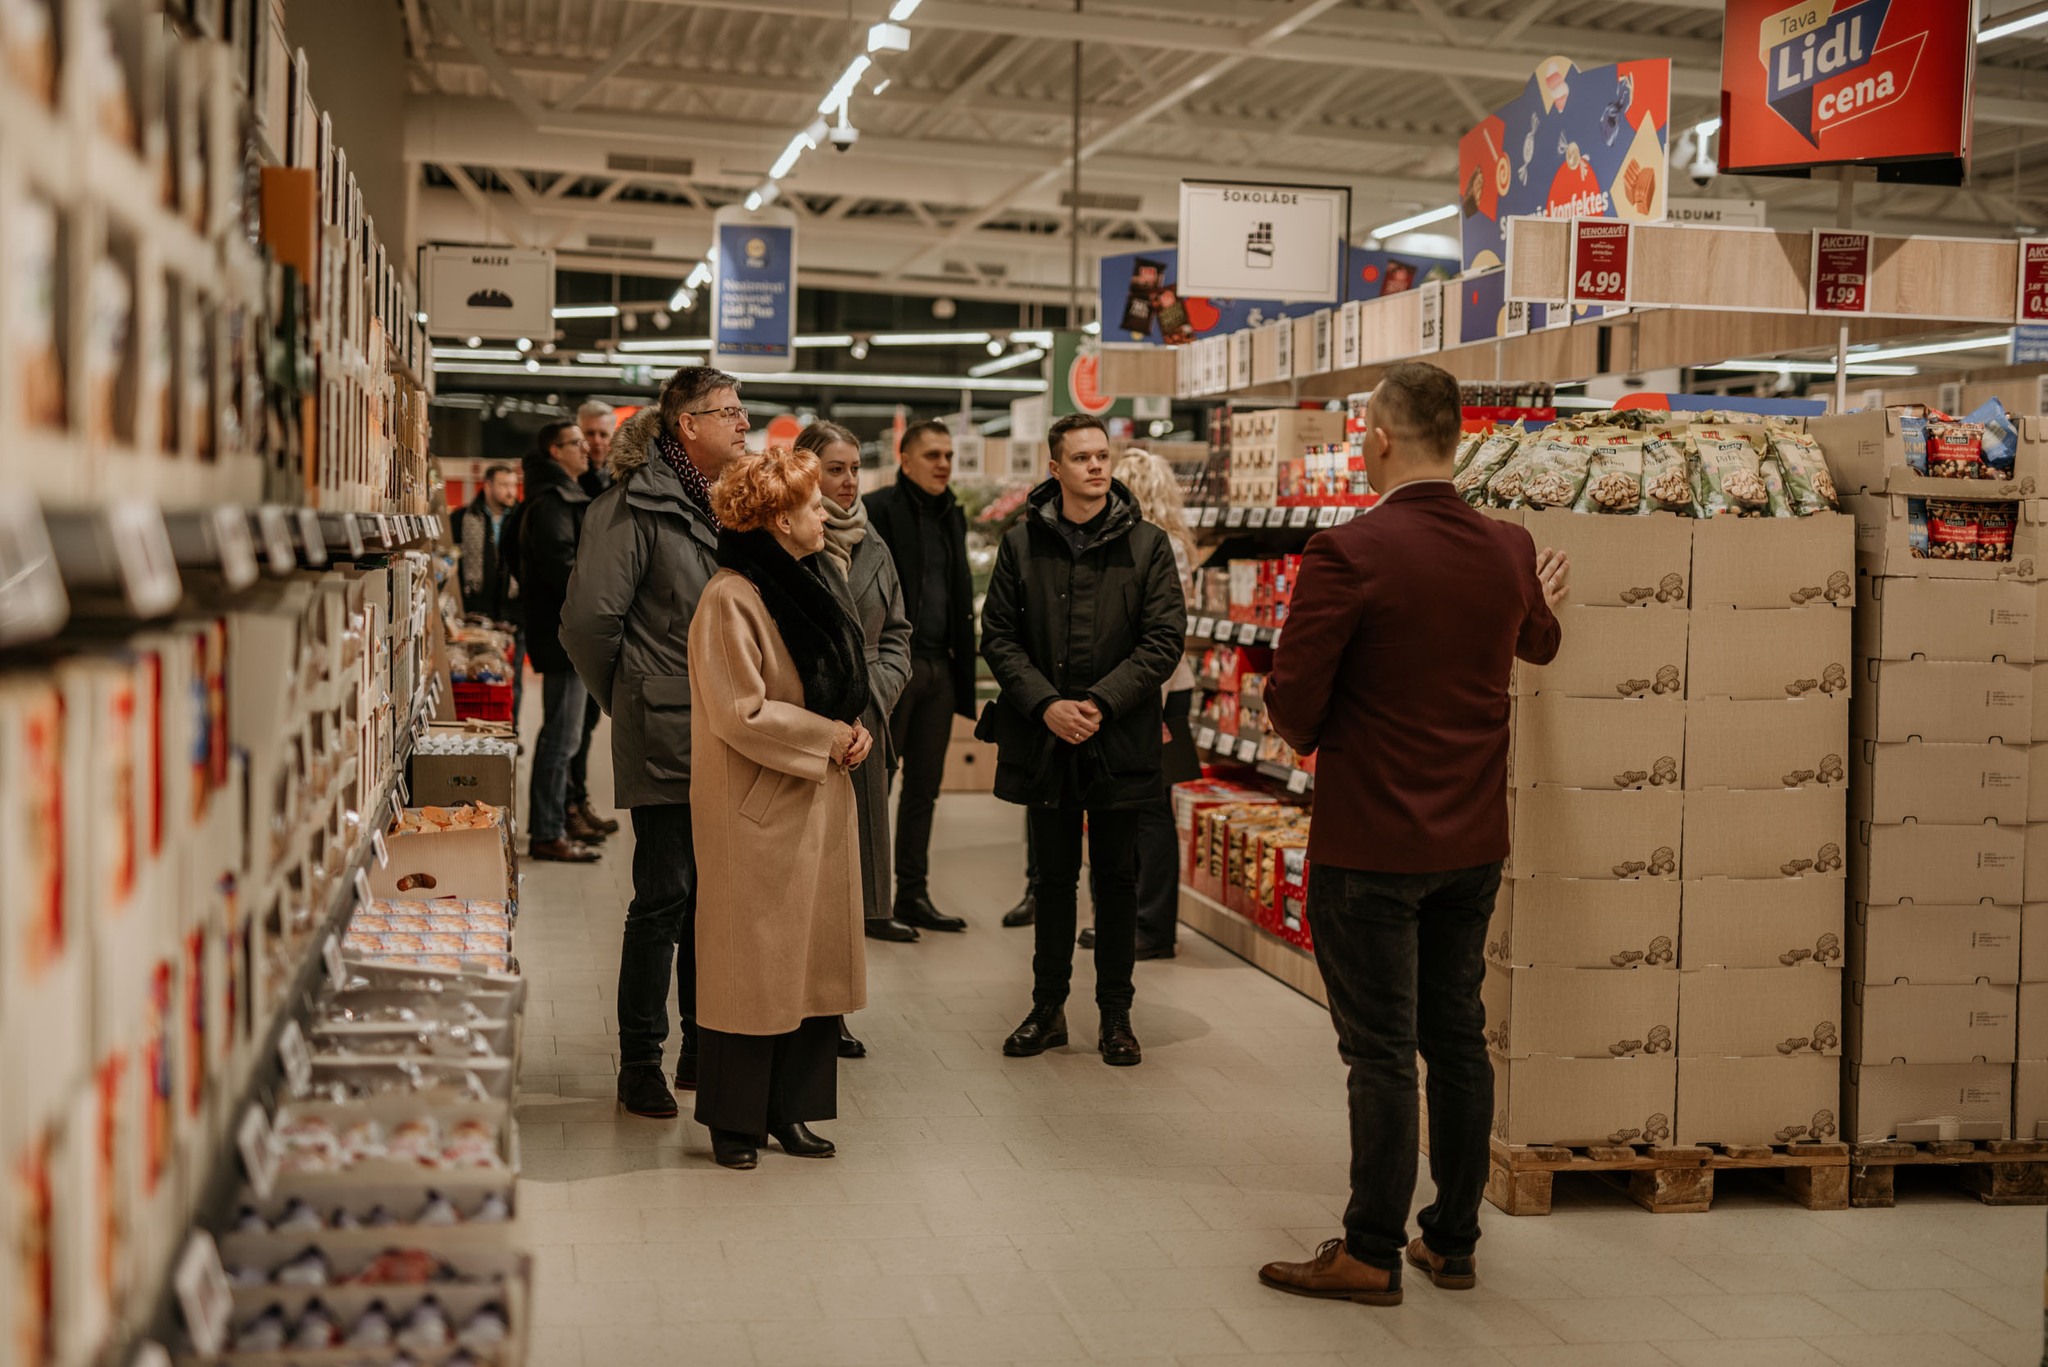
x=1234, y=517
x=1205, y=626
x=1206, y=738
x=1326, y=517
x=352, y=528
x=1600, y=261
x=330, y=958
x=237, y=549
x=1299, y=517
x=363, y=893
x=277, y=539
x=296, y=1057
x=142, y=552
x=1274, y=639
x=204, y=1295
x=32, y=598
x=1225, y=630
x=1430, y=330
x=1247, y=751
x=1345, y=515
x=1297, y=781
x=383, y=850
x=2033, y=301
x=1209, y=516
x=258, y=1149
x=1841, y=272
x=1256, y=517
x=311, y=537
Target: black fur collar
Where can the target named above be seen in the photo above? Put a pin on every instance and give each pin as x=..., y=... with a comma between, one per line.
x=816, y=630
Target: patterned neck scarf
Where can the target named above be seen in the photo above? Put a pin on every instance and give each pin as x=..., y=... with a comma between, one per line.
x=694, y=483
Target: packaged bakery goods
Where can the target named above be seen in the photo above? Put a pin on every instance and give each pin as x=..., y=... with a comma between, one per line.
x=28, y=46
x=34, y=291
x=1955, y=450
x=1614, y=476
x=1667, y=475
x=1727, y=479
x=1486, y=460
x=1808, y=485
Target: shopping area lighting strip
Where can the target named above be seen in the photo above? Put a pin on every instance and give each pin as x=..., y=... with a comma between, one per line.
x=463, y=353
x=928, y=338
x=902, y=10
x=1402, y=225
x=2012, y=26
x=1996, y=339
x=588, y=311
x=1855, y=367
x=809, y=379
x=1010, y=362
x=842, y=89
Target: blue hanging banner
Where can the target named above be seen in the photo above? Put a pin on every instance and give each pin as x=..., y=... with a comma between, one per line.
x=753, y=300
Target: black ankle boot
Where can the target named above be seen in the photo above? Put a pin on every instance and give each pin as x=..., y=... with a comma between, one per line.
x=1118, y=1045
x=1023, y=914
x=643, y=1093
x=798, y=1142
x=739, y=1151
x=1045, y=1028
x=849, y=1047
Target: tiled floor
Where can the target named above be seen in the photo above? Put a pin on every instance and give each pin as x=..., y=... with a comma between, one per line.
x=988, y=1210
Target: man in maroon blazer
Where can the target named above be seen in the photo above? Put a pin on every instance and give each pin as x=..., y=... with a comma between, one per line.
x=1393, y=671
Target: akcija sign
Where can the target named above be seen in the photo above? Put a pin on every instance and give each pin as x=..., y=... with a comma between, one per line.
x=1841, y=272
x=1819, y=83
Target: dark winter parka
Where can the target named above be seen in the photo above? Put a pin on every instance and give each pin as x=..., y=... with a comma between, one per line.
x=550, y=525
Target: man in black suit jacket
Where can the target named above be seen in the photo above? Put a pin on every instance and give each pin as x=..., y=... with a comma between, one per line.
x=926, y=532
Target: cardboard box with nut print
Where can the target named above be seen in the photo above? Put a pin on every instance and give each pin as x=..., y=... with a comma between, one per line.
x=1587, y=833
x=1769, y=653
x=1933, y=1022
x=1947, y=701
x=1938, y=865
x=1585, y=923
x=1946, y=783
x=1946, y=619
x=1579, y=1012
x=1773, y=562
x=1913, y=942
x=1620, y=562
x=1780, y=743
x=1780, y=833
x=1878, y=1099
x=1613, y=653
x=1772, y=1100
x=1866, y=452
x=1550, y=1100
x=1599, y=742
x=1761, y=923
x=1759, y=1012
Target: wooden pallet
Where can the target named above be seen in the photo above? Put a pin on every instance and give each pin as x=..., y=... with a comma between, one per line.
x=2001, y=1172
x=1667, y=1180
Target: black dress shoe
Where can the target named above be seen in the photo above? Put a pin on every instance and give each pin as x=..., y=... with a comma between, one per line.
x=1086, y=939
x=1118, y=1045
x=1145, y=951
x=919, y=912
x=849, y=1047
x=798, y=1142
x=643, y=1093
x=1045, y=1028
x=686, y=1063
x=891, y=929
x=740, y=1151
x=1023, y=914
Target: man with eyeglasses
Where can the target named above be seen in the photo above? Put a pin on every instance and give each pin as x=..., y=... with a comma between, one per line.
x=549, y=530
x=650, y=545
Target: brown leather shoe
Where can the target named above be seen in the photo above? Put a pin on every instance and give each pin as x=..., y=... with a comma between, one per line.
x=1333, y=1274
x=604, y=825
x=580, y=828
x=563, y=852
x=1449, y=1274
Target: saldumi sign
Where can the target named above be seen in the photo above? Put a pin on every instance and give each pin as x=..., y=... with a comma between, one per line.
x=1825, y=83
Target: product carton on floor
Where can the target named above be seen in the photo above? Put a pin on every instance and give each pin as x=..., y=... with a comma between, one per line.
x=1933, y=1022
x=1614, y=653
x=1777, y=743
x=1912, y=942
x=1761, y=922
x=2030, y=1100
x=1759, y=1012
x=1769, y=652
x=1586, y=833
x=1945, y=619
x=1550, y=1100
x=1619, y=561
x=1942, y=701
x=1939, y=865
x=2032, y=1046
x=1936, y=782
x=1585, y=923
x=1579, y=1012
x=1598, y=742
x=1763, y=562
x=1785, y=832
x=469, y=863
x=1877, y=1098
x=1759, y=1100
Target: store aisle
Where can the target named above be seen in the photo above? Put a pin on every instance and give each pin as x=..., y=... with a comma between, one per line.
x=989, y=1210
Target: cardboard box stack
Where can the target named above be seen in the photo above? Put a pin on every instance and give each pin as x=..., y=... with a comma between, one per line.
x=1942, y=791
x=1664, y=959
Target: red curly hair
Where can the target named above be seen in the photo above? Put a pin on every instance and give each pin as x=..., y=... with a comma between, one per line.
x=760, y=486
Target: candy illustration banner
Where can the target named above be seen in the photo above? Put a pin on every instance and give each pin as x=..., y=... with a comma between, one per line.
x=1141, y=298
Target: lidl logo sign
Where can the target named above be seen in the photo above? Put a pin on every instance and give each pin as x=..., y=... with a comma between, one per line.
x=1825, y=68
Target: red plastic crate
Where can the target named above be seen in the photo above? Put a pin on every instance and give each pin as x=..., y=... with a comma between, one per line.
x=483, y=701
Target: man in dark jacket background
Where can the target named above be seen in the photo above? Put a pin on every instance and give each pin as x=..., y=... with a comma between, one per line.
x=1084, y=621
x=599, y=423
x=549, y=529
x=487, y=533
x=650, y=545
x=927, y=534
x=1394, y=671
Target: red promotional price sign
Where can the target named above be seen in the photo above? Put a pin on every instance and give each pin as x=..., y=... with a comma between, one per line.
x=1600, y=258
x=1841, y=272
x=2033, y=306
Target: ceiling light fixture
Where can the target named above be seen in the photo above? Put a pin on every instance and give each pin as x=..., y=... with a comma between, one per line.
x=588, y=311
x=753, y=200
x=476, y=341
x=888, y=37
x=798, y=145
x=1996, y=339
x=902, y=10
x=2012, y=26
x=666, y=344
x=929, y=338
x=995, y=346
x=1812, y=367
x=859, y=349
x=842, y=88
x=1402, y=225
x=1010, y=362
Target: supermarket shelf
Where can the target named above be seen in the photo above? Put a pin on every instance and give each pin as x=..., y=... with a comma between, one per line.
x=1258, y=947
x=1244, y=750
x=1301, y=518
x=1223, y=631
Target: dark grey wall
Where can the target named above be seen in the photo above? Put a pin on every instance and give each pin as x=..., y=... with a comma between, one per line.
x=355, y=55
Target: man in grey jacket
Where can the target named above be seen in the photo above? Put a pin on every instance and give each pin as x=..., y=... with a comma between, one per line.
x=649, y=547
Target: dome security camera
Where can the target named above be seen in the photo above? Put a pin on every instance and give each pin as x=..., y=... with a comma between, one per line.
x=844, y=137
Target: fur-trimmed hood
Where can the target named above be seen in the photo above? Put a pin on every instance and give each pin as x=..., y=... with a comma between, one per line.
x=633, y=443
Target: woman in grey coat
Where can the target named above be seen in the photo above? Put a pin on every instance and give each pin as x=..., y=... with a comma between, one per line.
x=862, y=571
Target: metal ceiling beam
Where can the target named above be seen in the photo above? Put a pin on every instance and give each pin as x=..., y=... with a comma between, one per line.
x=616, y=60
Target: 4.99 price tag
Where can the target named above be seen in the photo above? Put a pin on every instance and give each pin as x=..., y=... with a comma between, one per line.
x=1600, y=261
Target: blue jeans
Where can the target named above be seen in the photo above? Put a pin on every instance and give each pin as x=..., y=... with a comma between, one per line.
x=561, y=731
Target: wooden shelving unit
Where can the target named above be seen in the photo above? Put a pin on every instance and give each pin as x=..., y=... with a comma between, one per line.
x=1262, y=950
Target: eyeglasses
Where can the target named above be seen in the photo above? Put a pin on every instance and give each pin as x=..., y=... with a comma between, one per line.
x=733, y=414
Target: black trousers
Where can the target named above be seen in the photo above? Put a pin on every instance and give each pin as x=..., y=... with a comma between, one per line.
x=750, y=1084
x=1156, y=847
x=1056, y=849
x=579, y=763
x=1402, y=956
x=922, y=728
x=661, y=928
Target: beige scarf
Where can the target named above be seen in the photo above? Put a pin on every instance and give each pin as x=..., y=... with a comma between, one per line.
x=844, y=529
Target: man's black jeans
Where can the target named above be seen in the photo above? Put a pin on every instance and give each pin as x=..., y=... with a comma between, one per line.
x=1056, y=850
x=922, y=729
x=661, y=927
x=1403, y=955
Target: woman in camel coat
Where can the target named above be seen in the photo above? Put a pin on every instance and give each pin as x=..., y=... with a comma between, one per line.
x=778, y=683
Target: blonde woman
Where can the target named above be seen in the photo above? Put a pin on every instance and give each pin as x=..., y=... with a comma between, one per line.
x=1153, y=484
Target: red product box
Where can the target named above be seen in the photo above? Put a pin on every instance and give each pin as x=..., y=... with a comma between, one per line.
x=1290, y=898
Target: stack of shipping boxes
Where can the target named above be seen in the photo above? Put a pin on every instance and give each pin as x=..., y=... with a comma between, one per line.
x=1943, y=719
x=1664, y=960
